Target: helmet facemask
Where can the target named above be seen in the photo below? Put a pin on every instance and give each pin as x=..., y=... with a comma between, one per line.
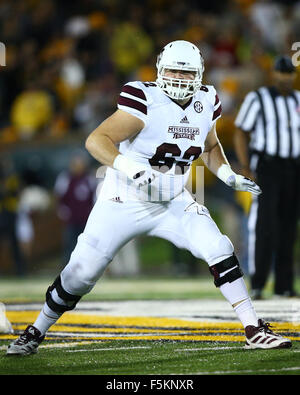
x=184, y=56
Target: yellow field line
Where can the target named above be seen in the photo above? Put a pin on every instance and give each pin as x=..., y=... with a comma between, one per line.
x=89, y=319
x=63, y=328
x=16, y=317
x=153, y=328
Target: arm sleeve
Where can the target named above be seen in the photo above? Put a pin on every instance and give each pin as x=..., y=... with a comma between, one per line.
x=133, y=100
x=248, y=112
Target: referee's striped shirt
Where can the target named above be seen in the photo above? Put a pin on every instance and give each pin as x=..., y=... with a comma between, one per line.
x=273, y=120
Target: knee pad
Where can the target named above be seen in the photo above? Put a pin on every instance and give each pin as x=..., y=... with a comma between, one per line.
x=87, y=264
x=69, y=300
x=224, y=247
x=232, y=268
x=219, y=250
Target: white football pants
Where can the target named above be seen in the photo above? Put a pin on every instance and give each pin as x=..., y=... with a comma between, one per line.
x=112, y=224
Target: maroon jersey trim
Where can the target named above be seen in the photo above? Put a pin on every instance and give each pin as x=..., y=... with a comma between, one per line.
x=125, y=101
x=134, y=91
x=217, y=112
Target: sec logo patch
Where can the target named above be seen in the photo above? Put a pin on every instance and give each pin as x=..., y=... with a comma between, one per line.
x=198, y=106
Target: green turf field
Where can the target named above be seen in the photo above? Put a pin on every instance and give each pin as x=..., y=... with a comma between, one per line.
x=155, y=357
x=147, y=327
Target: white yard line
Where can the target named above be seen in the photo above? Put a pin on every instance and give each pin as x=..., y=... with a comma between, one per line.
x=81, y=343
x=108, y=349
x=207, y=349
x=292, y=368
x=149, y=347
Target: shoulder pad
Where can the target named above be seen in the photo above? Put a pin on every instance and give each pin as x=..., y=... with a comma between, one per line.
x=210, y=91
x=134, y=100
x=213, y=98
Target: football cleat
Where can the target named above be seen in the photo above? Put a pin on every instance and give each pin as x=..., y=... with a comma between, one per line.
x=263, y=337
x=27, y=343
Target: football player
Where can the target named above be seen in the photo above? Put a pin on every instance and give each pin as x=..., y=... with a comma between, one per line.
x=148, y=145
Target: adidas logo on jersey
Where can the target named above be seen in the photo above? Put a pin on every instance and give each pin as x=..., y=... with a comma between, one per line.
x=184, y=120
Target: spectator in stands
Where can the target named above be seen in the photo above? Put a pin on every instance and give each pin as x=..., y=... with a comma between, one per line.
x=130, y=47
x=32, y=110
x=75, y=191
x=9, y=198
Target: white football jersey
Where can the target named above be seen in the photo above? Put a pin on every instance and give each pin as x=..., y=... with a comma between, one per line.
x=173, y=136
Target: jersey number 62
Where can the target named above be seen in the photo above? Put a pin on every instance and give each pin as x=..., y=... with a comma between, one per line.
x=166, y=155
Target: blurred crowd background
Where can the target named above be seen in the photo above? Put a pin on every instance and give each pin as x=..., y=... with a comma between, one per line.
x=66, y=62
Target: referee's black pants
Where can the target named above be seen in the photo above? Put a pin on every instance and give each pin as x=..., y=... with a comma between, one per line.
x=273, y=224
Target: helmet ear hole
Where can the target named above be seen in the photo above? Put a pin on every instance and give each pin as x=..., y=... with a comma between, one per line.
x=179, y=55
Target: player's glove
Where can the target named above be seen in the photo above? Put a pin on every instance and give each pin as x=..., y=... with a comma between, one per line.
x=237, y=181
x=139, y=173
x=143, y=178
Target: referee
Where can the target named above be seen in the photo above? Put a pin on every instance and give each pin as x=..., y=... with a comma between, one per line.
x=267, y=145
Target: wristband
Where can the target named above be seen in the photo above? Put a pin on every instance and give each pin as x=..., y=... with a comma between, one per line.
x=127, y=165
x=224, y=172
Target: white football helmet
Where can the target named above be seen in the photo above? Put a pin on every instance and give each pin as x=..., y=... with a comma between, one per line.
x=179, y=55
